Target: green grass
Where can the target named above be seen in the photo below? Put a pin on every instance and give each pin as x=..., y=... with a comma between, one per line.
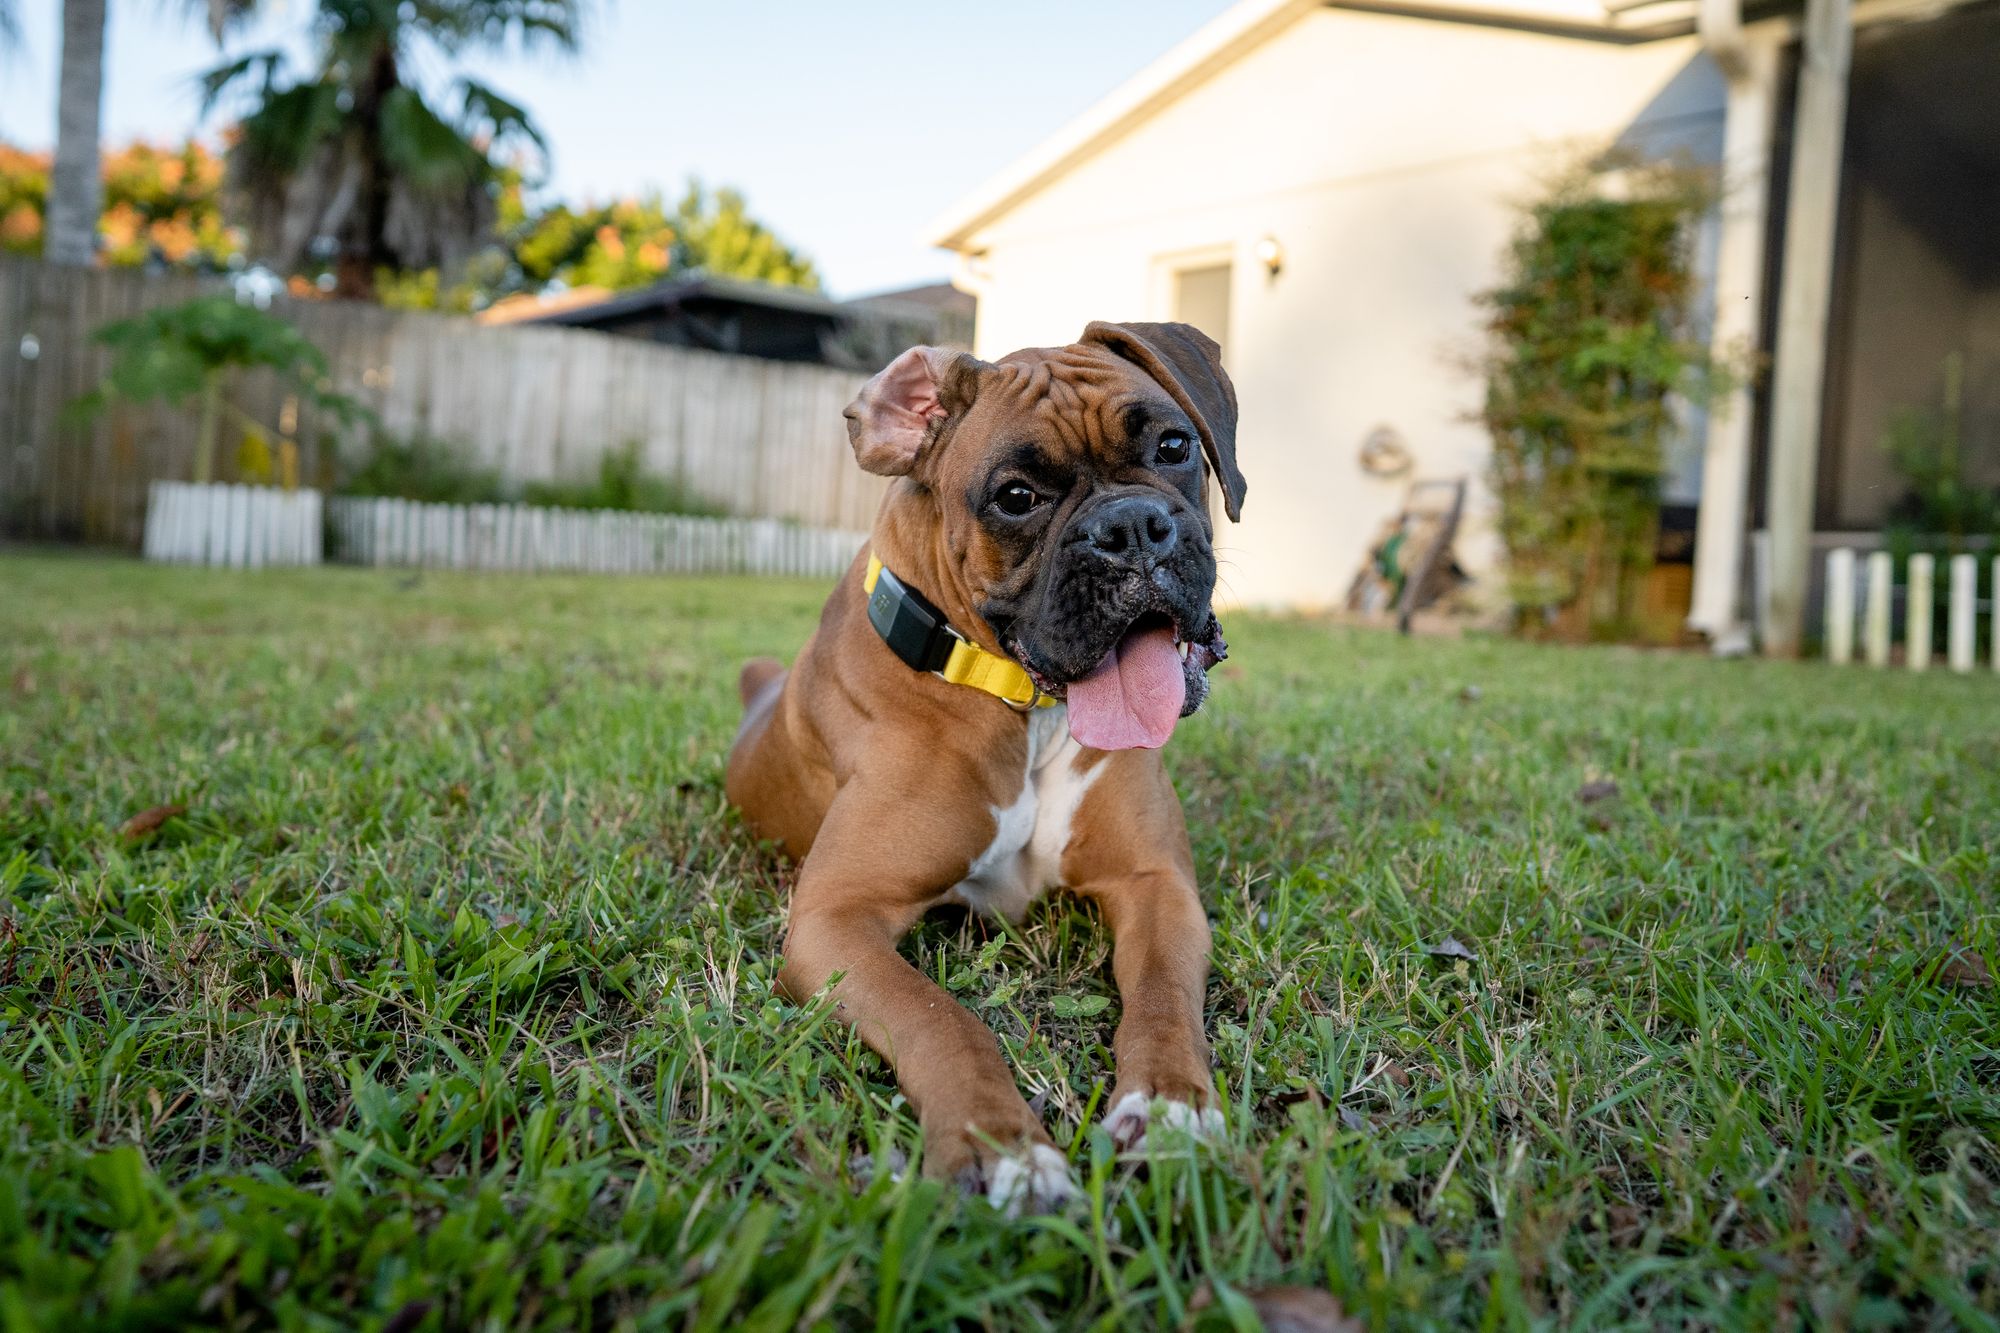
x=448, y=1000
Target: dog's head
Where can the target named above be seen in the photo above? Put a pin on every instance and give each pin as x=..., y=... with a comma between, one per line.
x=1068, y=486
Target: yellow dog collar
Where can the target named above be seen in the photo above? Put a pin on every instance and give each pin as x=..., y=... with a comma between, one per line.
x=919, y=634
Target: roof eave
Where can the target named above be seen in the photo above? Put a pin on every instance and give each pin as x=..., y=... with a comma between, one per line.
x=1214, y=44
x=1220, y=41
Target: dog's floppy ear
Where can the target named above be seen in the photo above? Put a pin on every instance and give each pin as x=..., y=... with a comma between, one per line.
x=903, y=408
x=1188, y=365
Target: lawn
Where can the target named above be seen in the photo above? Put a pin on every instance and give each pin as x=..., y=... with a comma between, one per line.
x=445, y=998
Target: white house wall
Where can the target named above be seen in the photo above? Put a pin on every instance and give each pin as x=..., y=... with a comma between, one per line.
x=1384, y=155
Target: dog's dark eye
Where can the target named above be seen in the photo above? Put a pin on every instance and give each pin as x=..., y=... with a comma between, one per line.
x=1016, y=500
x=1174, y=449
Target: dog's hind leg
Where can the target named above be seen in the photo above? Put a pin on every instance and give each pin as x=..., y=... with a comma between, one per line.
x=761, y=676
x=781, y=796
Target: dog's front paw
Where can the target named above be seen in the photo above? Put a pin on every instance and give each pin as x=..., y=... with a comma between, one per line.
x=1019, y=1172
x=1036, y=1180
x=1133, y=1113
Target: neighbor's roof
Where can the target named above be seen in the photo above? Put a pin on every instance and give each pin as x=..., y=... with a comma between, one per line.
x=679, y=291
x=1248, y=25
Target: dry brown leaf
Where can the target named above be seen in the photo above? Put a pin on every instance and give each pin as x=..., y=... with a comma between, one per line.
x=1291, y=1309
x=1294, y=1097
x=146, y=821
x=1451, y=948
x=408, y=1317
x=1963, y=967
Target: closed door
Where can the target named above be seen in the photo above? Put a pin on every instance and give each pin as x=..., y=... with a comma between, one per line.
x=1201, y=298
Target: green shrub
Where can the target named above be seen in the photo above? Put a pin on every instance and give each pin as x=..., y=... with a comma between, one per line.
x=1589, y=343
x=424, y=469
x=621, y=483
x=1943, y=512
x=1941, y=504
x=437, y=472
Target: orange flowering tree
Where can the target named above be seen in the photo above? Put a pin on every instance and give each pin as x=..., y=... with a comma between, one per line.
x=161, y=204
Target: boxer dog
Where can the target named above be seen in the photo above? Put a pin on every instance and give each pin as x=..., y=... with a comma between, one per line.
x=979, y=715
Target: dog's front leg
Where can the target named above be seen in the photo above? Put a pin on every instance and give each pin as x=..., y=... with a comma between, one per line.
x=1128, y=853
x=1159, y=958
x=858, y=892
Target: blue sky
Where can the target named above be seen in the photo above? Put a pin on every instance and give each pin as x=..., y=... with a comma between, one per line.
x=850, y=124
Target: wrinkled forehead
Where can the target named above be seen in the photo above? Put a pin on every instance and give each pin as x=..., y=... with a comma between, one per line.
x=1084, y=398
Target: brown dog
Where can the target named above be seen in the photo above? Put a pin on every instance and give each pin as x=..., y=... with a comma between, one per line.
x=1051, y=507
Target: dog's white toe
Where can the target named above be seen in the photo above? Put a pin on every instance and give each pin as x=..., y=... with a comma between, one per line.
x=1135, y=1112
x=1038, y=1182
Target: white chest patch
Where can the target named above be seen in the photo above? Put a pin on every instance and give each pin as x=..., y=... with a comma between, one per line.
x=1025, y=856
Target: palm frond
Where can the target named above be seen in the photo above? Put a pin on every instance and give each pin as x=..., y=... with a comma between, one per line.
x=290, y=174
x=218, y=16
x=214, y=83
x=485, y=113
x=527, y=24
x=226, y=14
x=288, y=126
x=425, y=149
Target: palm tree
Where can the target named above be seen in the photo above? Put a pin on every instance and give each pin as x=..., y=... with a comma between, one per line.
x=358, y=165
x=76, y=189
x=76, y=185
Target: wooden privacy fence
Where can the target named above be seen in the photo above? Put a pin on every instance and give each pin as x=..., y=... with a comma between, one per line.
x=1866, y=592
x=246, y=527
x=531, y=537
x=760, y=438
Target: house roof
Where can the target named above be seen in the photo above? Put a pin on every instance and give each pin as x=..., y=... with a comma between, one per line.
x=679, y=291
x=936, y=297
x=1248, y=25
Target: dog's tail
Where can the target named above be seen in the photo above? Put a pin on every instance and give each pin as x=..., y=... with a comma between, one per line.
x=758, y=675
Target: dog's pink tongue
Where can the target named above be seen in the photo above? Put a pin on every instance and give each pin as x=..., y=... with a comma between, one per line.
x=1134, y=698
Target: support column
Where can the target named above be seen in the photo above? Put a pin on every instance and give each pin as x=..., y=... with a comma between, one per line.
x=1720, y=526
x=1799, y=377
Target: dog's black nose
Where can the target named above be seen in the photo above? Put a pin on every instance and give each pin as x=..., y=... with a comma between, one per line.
x=1133, y=529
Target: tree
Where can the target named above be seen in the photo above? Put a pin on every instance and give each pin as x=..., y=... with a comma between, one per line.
x=161, y=205
x=717, y=235
x=24, y=200
x=76, y=190
x=618, y=246
x=356, y=164
x=634, y=242
x=190, y=352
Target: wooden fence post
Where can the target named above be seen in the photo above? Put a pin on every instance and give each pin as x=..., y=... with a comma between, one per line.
x=1840, y=606
x=1917, y=616
x=1881, y=597
x=1964, y=587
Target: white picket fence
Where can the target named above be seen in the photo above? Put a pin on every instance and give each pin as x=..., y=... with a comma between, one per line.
x=244, y=527
x=532, y=537
x=1870, y=598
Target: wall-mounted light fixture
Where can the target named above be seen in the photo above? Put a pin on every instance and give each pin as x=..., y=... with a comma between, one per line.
x=1383, y=453
x=1271, y=255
